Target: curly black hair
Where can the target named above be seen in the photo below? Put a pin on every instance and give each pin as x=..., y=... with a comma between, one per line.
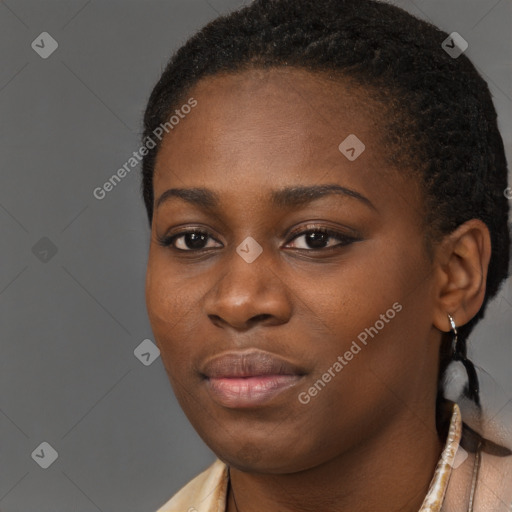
x=440, y=121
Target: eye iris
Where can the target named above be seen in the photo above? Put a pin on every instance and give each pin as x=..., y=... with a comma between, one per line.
x=195, y=240
x=317, y=239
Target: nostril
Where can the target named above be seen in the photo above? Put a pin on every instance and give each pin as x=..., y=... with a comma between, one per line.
x=259, y=318
x=215, y=319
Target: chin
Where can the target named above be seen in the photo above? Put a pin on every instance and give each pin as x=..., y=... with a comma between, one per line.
x=256, y=457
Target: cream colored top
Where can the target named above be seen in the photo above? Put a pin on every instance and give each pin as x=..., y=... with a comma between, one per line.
x=452, y=489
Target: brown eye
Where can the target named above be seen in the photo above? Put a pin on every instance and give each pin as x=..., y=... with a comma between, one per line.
x=319, y=239
x=193, y=240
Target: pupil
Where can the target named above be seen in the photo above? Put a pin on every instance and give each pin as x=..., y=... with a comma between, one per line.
x=317, y=240
x=195, y=240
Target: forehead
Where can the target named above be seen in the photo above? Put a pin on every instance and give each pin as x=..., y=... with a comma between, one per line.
x=291, y=113
x=276, y=126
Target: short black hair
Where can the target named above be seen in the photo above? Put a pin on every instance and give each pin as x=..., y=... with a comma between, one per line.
x=442, y=127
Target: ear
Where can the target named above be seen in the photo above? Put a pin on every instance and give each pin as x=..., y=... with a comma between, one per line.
x=461, y=263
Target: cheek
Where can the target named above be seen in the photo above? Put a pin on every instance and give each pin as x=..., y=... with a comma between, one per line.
x=376, y=311
x=172, y=313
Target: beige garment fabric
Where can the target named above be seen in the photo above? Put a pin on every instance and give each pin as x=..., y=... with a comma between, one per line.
x=449, y=490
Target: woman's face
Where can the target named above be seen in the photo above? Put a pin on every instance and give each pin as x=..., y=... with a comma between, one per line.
x=299, y=324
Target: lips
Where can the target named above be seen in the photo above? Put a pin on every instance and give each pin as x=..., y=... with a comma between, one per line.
x=248, y=364
x=249, y=379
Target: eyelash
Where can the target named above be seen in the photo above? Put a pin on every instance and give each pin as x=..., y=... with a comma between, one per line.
x=167, y=241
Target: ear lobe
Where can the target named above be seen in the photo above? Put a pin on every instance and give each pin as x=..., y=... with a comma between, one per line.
x=461, y=264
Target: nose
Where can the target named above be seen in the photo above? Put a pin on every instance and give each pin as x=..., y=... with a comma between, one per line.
x=247, y=294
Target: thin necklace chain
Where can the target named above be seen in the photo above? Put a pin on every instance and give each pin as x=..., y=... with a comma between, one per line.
x=476, y=470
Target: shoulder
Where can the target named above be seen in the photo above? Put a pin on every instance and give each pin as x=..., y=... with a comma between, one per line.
x=205, y=493
x=487, y=483
x=493, y=490
x=494, y=486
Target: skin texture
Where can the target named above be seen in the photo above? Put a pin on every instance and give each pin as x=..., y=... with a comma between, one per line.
x=367, y=441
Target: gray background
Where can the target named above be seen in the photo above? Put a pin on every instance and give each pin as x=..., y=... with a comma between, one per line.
x=70, y=321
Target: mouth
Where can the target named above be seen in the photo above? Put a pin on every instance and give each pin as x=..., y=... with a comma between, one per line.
x=249, y=379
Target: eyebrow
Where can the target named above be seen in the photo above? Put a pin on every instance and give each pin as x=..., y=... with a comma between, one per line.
x=284, y=198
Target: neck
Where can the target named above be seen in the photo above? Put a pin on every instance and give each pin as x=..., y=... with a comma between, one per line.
x=392, y=472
